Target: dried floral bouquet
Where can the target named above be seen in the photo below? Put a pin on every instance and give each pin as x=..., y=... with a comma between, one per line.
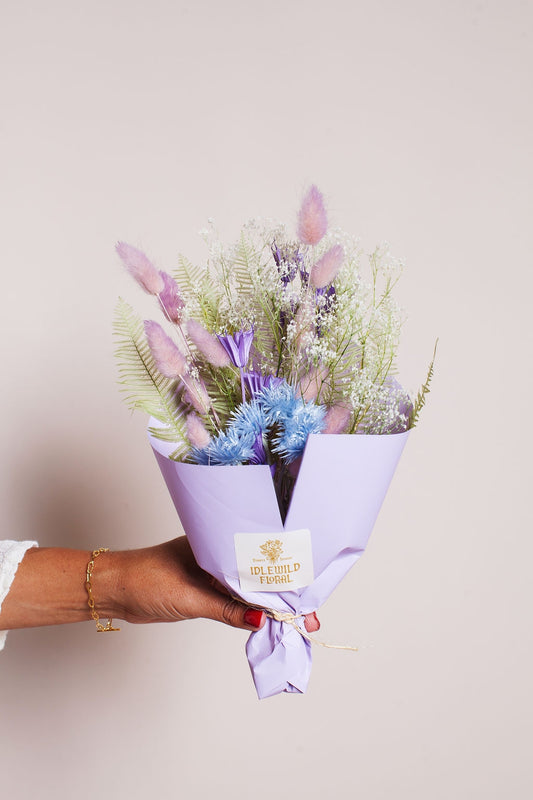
x=276, y=338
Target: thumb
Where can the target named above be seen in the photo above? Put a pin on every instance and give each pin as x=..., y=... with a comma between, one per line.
x=238, y=615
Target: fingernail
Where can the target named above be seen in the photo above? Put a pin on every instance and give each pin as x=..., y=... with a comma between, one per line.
x=254, y=617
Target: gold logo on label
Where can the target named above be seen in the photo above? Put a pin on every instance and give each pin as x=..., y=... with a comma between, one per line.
x=272, y=550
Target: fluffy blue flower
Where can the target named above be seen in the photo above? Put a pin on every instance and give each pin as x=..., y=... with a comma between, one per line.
x=249, y=418
x=228, y=448
x=305, y=419
x=278, y=402
x=199, y=455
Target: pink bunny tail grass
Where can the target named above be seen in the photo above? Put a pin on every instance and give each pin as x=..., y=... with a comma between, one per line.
x=305, y=324
x=197, y=433
x=311, y=384
x=326, y=268
x=169, y=360
x=312, y=218
x=337, y=418
x=141, y=268
x=208, y=344
x=196, y=396
x=171, y=299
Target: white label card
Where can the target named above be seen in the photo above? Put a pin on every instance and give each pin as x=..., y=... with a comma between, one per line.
x=274, y=562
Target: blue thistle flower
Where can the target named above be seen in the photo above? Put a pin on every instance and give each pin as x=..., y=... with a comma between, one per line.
x=306, y=418
x=278, y=402
x=199, y=455
x=249, y=418
x=228, y=448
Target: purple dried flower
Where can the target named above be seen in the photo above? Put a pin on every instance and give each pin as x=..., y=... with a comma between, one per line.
x=276, y=252
x=237, y=346
x=328, y=295
x=258, y=447
x=288, y=261
x=255, y=382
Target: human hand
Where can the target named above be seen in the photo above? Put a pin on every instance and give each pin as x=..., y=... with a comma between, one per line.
x=165, y=584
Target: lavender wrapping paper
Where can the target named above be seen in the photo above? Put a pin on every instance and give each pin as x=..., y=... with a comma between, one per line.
x=341, y=485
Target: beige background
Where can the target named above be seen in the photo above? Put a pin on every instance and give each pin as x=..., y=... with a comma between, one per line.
x=138, y=120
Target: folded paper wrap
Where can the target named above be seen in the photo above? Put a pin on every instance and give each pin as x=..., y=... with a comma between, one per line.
x=342, y=482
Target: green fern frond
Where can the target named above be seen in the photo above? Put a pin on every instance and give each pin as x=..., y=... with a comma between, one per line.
x=165, y=434
x=143, y=384
x=179, y=454
x=244, y=265
x=208, y=302
x=424, y=391
x=169, y=435
x=187, y=275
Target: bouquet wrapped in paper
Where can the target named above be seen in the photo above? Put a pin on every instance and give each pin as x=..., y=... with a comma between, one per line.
x=277, y=421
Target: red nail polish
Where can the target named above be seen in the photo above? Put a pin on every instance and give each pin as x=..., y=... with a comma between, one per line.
x=253, y=617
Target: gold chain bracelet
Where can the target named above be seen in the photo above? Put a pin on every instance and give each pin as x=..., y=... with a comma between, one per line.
x=90, y=602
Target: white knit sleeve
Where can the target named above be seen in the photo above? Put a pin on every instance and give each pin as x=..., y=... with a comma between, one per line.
x=11, y=554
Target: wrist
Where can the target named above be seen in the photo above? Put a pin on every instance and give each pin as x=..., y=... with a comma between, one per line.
x=106, y=585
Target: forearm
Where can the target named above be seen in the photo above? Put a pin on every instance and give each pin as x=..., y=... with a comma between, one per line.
x=162, y=583
x=49, y=588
